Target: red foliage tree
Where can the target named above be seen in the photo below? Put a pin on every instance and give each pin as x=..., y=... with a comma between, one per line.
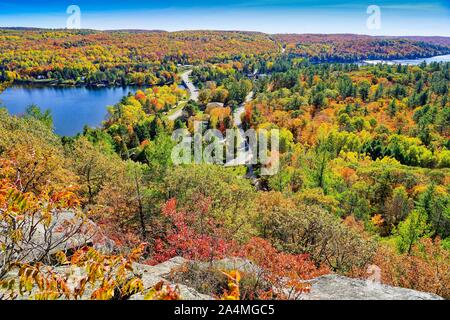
x=190, y=234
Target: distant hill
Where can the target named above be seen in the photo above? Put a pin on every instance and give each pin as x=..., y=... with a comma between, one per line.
x=150, y=56
x=351, y=47
x=435, y=40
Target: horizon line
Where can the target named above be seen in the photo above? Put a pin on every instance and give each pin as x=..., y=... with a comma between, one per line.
x=215, y=30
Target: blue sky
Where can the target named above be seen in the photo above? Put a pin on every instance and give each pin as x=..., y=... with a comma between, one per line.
x=416, y=17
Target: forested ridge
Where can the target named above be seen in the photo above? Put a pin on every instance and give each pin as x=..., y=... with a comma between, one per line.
x=353, y=48
x=364, y=173
x=90, y=57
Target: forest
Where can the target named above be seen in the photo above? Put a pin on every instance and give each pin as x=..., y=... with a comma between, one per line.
x=95, y=58
x=352, y=48
x=364, y=173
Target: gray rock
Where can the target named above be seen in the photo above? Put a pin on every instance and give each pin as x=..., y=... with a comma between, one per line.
x=329, y=287
x=67, y=231
x=161, y=269
x=151, y=275
x=335, y=287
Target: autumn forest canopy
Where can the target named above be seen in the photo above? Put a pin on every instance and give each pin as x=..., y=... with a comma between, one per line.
x=139, y=57
x=364, y=174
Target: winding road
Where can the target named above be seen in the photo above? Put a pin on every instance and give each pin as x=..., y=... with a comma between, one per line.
x=193, y=92
x=243, y=156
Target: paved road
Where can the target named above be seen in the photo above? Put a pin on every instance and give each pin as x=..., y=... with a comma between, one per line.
x=193, y=92
x=240, y=110
x=243, y=156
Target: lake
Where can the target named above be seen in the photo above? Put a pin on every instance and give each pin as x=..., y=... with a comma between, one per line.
x=443, y=58
x=72, y=108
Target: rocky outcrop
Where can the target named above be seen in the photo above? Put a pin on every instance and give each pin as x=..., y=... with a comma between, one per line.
x=67, y=231
x=335, y=287
x=151, y=275
x=329, y=287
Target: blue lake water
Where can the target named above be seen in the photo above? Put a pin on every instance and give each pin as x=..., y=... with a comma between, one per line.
x=72, y=108
x=443, y=58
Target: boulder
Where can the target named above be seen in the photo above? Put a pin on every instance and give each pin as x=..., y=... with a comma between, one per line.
x=328, y=287
x=151, y=275
x=336, y=287
x=67, y=231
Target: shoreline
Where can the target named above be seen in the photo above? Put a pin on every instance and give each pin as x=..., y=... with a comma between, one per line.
x=48, y=83
x=52, y=83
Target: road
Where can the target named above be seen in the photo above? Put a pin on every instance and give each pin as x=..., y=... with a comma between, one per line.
x=240, y=110
x=193, y=92
x=243, y=156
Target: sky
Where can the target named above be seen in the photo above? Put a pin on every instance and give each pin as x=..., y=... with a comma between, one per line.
x=415, y=17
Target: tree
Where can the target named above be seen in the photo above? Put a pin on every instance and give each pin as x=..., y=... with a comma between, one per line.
x=345, y=87
x=397, y=207
x=425, y=269
x=411, y=230
x=158, y=155
x=436, y=203
x=45, y=117
x=317, y=165
x=378, y=92
x=319, y=101
x=37, y=154
x=298, y=228
x=36, y=225
x=124, y=205
x=364, y=89
x=194, y=235
x=231, y=196
x=93, y=167
x=392, y=108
